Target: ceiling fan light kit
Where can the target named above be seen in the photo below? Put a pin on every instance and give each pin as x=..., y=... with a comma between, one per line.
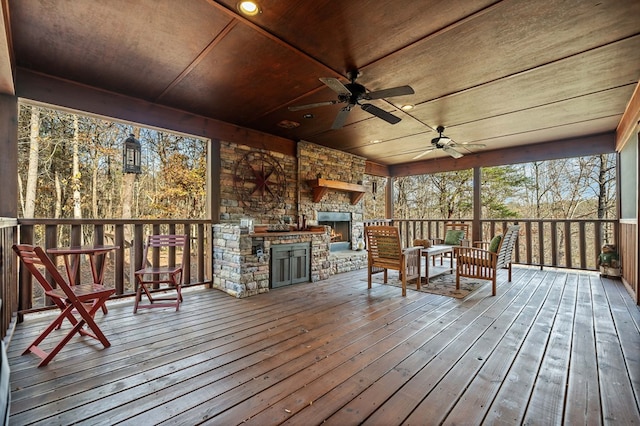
x=447, y=145
x=352, y=94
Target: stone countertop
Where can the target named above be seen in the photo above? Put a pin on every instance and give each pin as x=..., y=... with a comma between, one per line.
x=284, y=233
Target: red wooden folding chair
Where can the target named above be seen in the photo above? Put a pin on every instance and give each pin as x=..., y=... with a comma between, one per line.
x=169, y=273
x=77, y=303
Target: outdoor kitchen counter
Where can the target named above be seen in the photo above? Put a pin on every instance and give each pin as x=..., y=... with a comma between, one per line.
x=284, y=233
x=242, y=263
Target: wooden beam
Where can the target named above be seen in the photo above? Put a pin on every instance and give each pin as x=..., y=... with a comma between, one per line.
x=65, y=94
x=7, y=63
x=630, y=120
x=388, y=199
x=567, y=148
x=376, y=169
x=8, y=159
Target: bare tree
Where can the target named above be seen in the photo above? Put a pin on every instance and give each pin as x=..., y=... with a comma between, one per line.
x=76, y=181
x=32, y=173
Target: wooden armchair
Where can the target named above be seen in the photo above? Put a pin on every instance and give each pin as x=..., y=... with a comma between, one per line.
x=473, y=262
x=385, y=252
x=455, y=234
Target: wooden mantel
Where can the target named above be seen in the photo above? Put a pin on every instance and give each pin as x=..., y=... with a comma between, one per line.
x=321, y=186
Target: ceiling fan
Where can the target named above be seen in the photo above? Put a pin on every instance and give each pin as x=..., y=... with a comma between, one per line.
x=446, y=144
x=351, y=94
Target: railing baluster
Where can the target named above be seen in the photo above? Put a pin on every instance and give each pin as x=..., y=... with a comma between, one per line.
x=186, y=275
x=517, y=246
x=119, y=260
x=200, y=253
x=25, y=291
x=554, y=243
x=567, y=244
x=582, y=245
x=597, y=237
x=541, y=243
x=527, y=235
x=50, y=240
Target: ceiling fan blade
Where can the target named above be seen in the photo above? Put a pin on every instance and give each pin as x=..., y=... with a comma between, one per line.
x=317, y=104
x=441, y=140
x=428, y=150
x=452, y=152
x=472, y=145
x=335, y=85
x=341, y=118
x=388, y=93
x=380, y=113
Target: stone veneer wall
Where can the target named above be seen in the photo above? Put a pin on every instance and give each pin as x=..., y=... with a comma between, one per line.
x=318, y=161
x=313, y=161
x=241, y=273
x=232, y=209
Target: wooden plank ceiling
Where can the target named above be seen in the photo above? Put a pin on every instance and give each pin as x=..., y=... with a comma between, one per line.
x=500, y=73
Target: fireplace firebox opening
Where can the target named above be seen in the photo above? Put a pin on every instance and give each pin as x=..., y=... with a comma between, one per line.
x=340, y=223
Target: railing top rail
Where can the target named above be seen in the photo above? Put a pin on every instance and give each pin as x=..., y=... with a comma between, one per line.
x=8, y=222
x=505, y=220
x=111, y=221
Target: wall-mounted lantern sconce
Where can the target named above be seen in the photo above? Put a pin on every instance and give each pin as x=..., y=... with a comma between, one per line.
x=374, y=187
x=131, y=155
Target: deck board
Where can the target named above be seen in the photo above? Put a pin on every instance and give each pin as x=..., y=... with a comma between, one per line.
x=552, y=347
x=582, y=387
x=474, y=403
x=618, y=401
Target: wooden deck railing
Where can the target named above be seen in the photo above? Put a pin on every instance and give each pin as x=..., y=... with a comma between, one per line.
x=553, y=243
x=129, y=235
x=8, y=275
x=566, y=243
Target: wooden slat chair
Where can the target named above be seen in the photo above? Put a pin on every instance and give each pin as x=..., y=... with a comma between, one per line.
x=473, y=262
x=170, y=274
x=455, y=234
x=78, y=303
x=385, y=252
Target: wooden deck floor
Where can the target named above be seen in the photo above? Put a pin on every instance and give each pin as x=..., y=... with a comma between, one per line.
x=554, y=347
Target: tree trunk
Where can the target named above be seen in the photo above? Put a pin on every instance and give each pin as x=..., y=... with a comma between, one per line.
x=75, y=174
x=21, y=192
x=602, y=186
x=128, y=181
x=32, y=173
x=94, y=190
x=58, y=208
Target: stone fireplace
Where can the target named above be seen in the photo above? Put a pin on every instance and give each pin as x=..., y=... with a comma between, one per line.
x=340, y=223
x=323, y=187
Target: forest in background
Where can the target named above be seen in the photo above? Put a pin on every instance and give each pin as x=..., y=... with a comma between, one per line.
x=70, y=166
x=570, y=188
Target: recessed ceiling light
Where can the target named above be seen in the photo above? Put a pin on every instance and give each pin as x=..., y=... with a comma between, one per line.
x=375, y=141
x=249, y=8
x=288, y=124
x=308, y=115
x=407, y=107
